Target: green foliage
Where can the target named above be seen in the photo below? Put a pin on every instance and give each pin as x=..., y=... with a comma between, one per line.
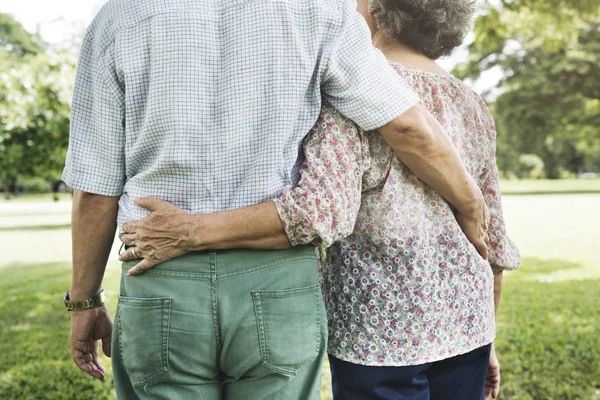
x=530, y=166
x=34, y=115
x=549, y=52
x=15, y=40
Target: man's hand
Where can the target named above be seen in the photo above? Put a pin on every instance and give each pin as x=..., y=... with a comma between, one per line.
x=475, y=226
x=492, y=381
x=87, y=327
x=159, y=237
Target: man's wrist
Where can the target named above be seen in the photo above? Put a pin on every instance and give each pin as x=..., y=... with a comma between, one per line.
x=94, y=301
x=471, y=200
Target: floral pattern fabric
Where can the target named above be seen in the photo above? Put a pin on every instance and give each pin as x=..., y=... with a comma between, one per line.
x=402, y=284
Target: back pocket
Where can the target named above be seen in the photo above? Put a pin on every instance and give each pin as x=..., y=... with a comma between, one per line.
x=289, y=327
x=144, y=337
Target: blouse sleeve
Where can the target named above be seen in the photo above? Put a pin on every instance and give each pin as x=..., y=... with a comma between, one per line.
x=325, y=204
x=503, y=253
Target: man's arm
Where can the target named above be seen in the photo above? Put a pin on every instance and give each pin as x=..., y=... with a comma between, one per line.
x=424, y=147
x=359, y=81
x=322, y=208
x=94, y=224
x=94, y=220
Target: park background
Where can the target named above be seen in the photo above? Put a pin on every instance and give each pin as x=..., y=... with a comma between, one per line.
x=536, y=63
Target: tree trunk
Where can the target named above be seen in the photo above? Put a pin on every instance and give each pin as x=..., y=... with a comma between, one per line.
x=17, y=189
x=6, y=188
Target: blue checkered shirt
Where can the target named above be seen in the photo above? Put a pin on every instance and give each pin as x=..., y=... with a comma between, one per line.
x=205, y=103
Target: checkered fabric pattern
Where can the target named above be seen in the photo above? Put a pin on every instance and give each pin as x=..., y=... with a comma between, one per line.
x=204, y=103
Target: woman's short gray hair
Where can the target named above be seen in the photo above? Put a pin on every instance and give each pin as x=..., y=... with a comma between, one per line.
x=432, y=27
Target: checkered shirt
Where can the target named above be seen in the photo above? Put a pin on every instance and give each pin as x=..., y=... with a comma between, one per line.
x=205, y=103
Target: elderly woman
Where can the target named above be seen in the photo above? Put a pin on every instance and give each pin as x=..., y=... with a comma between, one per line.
x=410, y=301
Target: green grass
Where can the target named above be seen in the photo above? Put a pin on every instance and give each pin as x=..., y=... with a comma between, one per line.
x=547, y=335
x=549, y=318
x=548, y=341
x=548, y=186
x=36, y=363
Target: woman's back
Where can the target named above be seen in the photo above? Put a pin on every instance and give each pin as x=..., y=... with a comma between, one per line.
x=407, y=287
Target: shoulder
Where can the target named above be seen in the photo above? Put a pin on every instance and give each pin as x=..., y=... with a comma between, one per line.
x=114, y=16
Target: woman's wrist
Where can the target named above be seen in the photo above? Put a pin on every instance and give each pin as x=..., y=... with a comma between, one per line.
x=205, y=232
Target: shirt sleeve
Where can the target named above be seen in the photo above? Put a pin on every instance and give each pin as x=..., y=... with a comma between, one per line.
x=324, y=207
x=95, y=159
x=503, y=253
x=358, y=79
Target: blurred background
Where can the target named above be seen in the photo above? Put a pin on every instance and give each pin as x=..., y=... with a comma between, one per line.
x=536, y=63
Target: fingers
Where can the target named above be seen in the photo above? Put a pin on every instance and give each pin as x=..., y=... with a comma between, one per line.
x=129, y=227
x=106, y=345
x=149, y=203
x=496, y=391
x=88, y=363
x=482, y=248
x=129, y=239
x=130, y=254
x=141, y=267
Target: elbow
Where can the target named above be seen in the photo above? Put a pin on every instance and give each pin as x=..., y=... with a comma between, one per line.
x=413, y=132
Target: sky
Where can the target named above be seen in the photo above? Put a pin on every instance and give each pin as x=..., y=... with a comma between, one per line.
x=55, y=18
x=59, y=20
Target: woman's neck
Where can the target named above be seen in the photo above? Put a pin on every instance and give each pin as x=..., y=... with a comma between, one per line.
x=402, y=54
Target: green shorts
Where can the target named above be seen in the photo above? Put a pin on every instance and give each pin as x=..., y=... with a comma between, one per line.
x=243, y=324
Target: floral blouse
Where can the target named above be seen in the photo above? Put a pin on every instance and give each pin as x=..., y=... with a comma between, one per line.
x=402, y=284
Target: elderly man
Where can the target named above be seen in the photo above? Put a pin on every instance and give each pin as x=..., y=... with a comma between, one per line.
x=204, y=104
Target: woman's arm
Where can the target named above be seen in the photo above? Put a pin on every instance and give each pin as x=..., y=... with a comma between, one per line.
x=503, y=253
x=322, y=208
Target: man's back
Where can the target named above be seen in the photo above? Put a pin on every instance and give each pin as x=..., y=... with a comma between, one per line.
x=204, y=104
x=215, y=97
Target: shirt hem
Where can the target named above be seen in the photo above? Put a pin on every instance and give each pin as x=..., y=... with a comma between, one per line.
x=419, y=361
x=78, y=183
x=402, y=107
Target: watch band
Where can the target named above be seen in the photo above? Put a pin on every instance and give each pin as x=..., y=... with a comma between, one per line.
x=93, y=302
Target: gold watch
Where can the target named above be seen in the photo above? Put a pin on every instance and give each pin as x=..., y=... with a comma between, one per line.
x=93, y=302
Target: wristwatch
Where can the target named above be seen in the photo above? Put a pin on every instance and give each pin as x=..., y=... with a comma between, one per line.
x=93, y=302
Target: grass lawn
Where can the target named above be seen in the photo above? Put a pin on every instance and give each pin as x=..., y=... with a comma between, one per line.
x=550, y=186
x=549, y=318
x=36, y=361
x=37, y=197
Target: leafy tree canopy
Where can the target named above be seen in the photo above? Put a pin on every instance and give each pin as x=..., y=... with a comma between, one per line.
x=15, y=40
x=549, y=52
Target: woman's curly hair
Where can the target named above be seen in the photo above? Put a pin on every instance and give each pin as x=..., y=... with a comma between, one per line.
x=432, y=27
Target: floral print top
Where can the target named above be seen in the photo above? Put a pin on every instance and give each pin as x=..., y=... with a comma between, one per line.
x=402, y=284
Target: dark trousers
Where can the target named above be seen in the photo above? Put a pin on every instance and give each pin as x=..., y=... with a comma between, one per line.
x=457, y=378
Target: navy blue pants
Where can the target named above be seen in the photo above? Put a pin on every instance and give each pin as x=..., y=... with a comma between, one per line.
x=457, y=378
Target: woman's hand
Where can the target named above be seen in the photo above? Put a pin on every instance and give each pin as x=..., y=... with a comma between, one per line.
x=159, y=237
x=492, y=380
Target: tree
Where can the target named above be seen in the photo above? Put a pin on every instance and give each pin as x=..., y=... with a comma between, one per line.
x=34, y=116
x=549, y=51
x=15, y=40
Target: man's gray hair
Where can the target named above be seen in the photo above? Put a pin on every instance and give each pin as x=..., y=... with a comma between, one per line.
x=432, y=27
